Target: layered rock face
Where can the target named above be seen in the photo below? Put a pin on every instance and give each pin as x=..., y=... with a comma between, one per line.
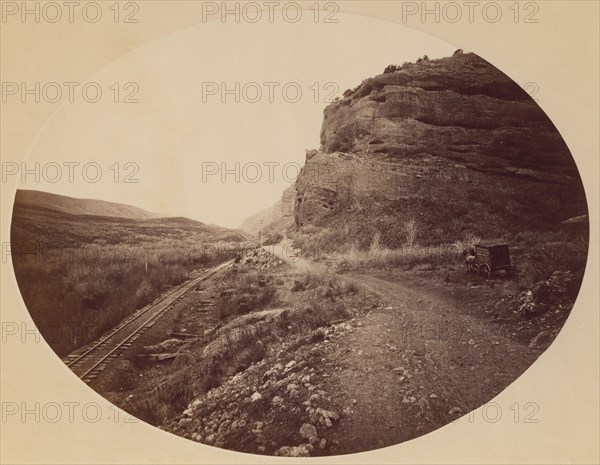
x=288, y=199
x=453, y=132
x=458, y=105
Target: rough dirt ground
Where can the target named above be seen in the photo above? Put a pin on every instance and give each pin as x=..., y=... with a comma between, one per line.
x=428, y=349
x=417, y=364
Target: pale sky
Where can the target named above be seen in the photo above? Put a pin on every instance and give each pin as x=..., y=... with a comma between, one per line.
x=173, y=136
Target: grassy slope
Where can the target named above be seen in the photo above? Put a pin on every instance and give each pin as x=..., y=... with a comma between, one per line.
x=81, y=274
x=64, y=204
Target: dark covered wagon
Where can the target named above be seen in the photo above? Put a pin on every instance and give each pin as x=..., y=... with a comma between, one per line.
x=489, y=259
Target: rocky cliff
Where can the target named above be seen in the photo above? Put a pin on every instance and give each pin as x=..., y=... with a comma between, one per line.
x=452, y=144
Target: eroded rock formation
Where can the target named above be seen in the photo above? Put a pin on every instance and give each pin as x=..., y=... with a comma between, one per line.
x=436, y=141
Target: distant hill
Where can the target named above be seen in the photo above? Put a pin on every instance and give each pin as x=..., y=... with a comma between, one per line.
x=56, y=221
x=282, y=209
x=75, y=206
x=252, y=224
x=96, y=262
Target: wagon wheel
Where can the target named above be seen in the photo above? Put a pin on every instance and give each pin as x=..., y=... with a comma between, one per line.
x=476, y=268
x=467, y=266
x=485, y=270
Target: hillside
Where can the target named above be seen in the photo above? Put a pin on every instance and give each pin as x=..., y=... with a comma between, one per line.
x=252, y=224
x=273, y=216
x=91, y=271
x=56, y=221
x=63, y=204
x=451, y=146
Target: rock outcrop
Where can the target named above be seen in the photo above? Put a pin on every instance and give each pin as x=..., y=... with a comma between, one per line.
x=453, y=144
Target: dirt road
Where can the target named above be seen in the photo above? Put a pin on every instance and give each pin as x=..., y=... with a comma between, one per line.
x=415, y=365
x=423, y=360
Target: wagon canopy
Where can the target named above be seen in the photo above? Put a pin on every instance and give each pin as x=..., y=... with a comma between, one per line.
x=490, y=244
x=495, y=253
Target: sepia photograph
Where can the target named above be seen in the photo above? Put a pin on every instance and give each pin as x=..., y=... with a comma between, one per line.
x=291, y=231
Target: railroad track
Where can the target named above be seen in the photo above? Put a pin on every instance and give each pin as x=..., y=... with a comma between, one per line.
x=87, y=363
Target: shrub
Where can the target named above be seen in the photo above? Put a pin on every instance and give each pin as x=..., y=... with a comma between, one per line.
x=407, y=257
x=410, y=229
x=314, y=316
x=243, y=292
